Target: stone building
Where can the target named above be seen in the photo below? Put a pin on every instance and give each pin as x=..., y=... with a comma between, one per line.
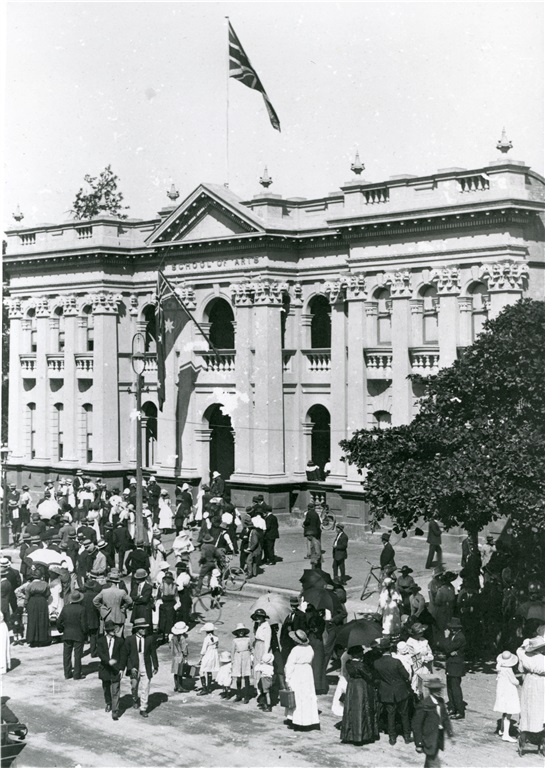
x=320, y=309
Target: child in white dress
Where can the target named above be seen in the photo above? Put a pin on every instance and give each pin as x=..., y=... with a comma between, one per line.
x=225, y=674
x=507, y=696
x=209, y=659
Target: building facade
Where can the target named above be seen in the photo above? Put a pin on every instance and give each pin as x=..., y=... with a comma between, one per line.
x=320, y=309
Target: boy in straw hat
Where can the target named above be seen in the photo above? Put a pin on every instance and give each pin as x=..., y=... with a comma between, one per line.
x=431, y=722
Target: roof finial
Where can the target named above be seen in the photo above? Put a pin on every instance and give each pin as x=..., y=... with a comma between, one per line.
x=266, y=180
x=173, y=193
x=18, y=215
x=504, y=145
x=357, y=166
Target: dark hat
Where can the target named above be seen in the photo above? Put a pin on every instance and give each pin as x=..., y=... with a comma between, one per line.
x=140, y=574
x=102, y=544
x=207, y=539
x=168, y=576
x=25, y=487
x=415, y=588
x=294, y=600
x=76, y=597
x=114, y=575
x=406, y=569
x=72, y=535
x=385, y=537
x=311, y=505
x=259, y=614
x=454, y=623
x=109, y=625
x=355, y=650
x=340, y=525
x=259, y=497
x=417, y=629
x=433, y=682
x=140, y=624
x=26, y=536
x=450, y=576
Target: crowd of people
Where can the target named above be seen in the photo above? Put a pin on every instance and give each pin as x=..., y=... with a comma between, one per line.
x=84, y=573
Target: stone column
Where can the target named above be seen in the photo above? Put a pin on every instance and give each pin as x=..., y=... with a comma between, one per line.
x=465, y=332
x=356, y=371
x=167, y=448
x=16, y=413
x=296, y=455
x=202, y=445
x=70, y=380
x=417, y=330
x=268, y=374
x=42, y=383
x=506, y=282
x=105, y=380
x=401, y=388
x=447, y=281
x=243, y=299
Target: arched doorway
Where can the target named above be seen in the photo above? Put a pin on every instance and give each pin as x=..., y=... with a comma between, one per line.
x=221, y=318
x=150, y=433
x=320, y=441
x=320, y=326
x=222, y=443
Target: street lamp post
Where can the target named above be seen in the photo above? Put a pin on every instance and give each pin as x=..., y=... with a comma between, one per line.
x=4, y=528
x=138, y=362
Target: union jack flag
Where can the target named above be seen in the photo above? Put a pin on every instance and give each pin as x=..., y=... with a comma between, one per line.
x=241, y=69
x=171, y=317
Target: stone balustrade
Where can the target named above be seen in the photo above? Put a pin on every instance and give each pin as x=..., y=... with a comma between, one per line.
x=378, y=361
x=84, y=365
x=287, y=359
x=424, y=360
x=55, y=363
x=28, y=364
x=223, y=362
x=478, y=182
x=377, y=195
x=150, y=364
x=318, y=360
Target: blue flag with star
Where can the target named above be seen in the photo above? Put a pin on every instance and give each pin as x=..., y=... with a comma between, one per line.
x=171, y=317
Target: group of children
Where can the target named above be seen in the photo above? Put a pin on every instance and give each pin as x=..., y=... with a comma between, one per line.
x=232, y=670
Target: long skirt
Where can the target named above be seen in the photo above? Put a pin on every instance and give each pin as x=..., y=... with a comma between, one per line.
x=301, y=682
x=167, y=616
x=361, y=713
x=319, y=665
x=37, y=630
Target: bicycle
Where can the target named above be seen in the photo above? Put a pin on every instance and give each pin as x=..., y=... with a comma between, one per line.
x=207, y=607
x=327, y=518
x=366, y=591
x=233, y=578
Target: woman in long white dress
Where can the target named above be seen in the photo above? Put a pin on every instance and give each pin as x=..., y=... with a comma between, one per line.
x=166, y=518
x=262, y=639
x=389, y=605
x=5, y=655
x=300, y=679
x=532, y=699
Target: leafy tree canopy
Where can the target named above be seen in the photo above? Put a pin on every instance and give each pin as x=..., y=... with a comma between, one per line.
x=102, y=197
x=476, y=450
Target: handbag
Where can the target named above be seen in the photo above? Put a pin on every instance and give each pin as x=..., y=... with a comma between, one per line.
x=287, y=698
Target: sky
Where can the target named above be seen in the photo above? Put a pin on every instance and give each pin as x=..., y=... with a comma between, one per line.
x=143, y=86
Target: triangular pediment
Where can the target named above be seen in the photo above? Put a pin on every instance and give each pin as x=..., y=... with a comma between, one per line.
x=209, y=213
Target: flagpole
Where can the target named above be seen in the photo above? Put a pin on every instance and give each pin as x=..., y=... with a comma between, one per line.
x=227, y=112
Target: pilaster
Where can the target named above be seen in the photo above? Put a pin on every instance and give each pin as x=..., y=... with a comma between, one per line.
x=400, y=291
x=242, y=298
x=105, y=376
x=70, y=380
x=447, y=281
x=356, y=372
x=15, y=412
x=42, y=384
x=465, y=309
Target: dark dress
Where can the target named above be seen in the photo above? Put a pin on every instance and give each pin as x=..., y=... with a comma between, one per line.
x=37, y=631
x=167, y=615
x=315, y=631
x=360, y=723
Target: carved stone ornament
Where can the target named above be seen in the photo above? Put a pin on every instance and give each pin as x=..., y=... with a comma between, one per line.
x=14, y=307
x=447, y=280
x=400, y=284
x=262, y=292
x=187, y=295
x=465, y=304
x=133, y=304
x=505, y=276
x=371, y=308
x=105, y=303
x=42, y=307
x=70, y=305
x=345, y=287
x=417, y=306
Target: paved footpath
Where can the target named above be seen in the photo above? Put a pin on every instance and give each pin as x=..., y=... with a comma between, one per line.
x=68, y=726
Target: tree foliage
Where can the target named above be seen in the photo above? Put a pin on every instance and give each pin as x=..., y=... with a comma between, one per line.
x=476, y=450
x=102, y=197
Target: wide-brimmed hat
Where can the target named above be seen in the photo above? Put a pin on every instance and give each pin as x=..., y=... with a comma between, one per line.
x=140, y=624
x=355, y=650
x=406, y=569
x=240, y=628
x=168, y=576
x=109, y=625
x=208, y=627
x=102, y=544
x=215, y=473
x=140, y=574
x=299, y=637
x=114, y=575
x=415, y=588
x=454, y=623
x=267, y=658
x=438, y=570
x=417, y=628
x=432, y=682
x=207, y=539
x=507, y=659
x=180, y=628
x=535, y=645
x=76, y=597
x=164, y=566
x=225, y=657
x=450, y=576
x=259, y=614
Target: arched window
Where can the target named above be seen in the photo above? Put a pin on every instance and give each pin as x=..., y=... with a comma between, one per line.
x=221, y=318
x=58, y=341
x=382, y=419
x=31, y=430
x=384, y=316
x=29, y=327
x=320, y=419
x=222, y=442
x=430, y=329
x=284, y=317
x=320, y=326
x=88, y=327
x=57, y=432
x=87, y=432
x=150, y=433
x=479, y=314
x=150, y=332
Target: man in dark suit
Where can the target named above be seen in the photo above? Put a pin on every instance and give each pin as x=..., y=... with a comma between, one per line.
x=394, y=691
x=142, y=597
x=72, y=623
x=122, y=544
x=434, y=541
x=110, y=653
x=312, y=528
x=270, y=537
x=340, y=547
x=154, y=492
x=387, y=556
x=454, y=644
x=296, y=619
x=141, y=663
x=431, y=722
x=112, y=603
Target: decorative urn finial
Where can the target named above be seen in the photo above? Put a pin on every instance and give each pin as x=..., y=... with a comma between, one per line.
x=357, y=166
x=18, y=215
x=173, y=193
x=504, y=145
x=266, y=180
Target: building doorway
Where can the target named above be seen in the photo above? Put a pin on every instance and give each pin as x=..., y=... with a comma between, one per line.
x=320, y=436
x=222, y=443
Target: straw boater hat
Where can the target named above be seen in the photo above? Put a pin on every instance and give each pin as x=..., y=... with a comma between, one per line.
x=536, y=645
x=208, y=627
x=506, y=659
x=267, y=658
x=102, y=544
x=140, y=624
x=225, y=657
x=114, y=575
x=140, y=574
x=239, y=629
x=180, y=628
x=299, y=637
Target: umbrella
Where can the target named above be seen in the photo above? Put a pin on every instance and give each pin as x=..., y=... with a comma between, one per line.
x=322, y=598
x=276, y=606
x=46, y=556
x=315, y=577
x=358, y=632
